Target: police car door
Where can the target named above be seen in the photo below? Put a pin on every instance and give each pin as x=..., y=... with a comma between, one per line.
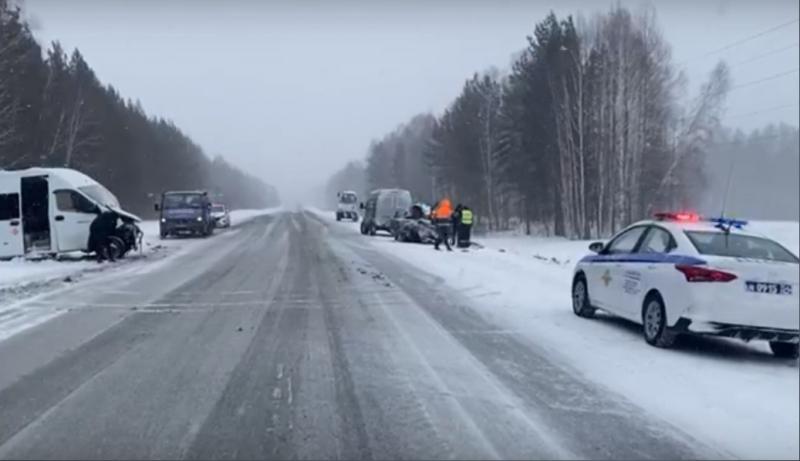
x=11, y=239
x=645, y=269
x=620, y=256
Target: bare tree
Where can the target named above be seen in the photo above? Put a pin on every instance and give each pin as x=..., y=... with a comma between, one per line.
x=489, y=141
x=694, y=132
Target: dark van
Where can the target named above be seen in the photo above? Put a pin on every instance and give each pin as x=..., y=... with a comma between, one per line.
x=381, y=207
x=185, y=212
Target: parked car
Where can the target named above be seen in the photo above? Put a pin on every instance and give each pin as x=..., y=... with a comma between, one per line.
x=47, y=211
x=413, y=226
x=679, y=274
x=185, y=212
x=381, y=207
x=219, y=213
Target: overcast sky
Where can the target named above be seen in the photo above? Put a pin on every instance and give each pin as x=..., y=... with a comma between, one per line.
x=289, y=91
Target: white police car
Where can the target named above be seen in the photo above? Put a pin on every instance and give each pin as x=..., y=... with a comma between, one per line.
x=681, y=274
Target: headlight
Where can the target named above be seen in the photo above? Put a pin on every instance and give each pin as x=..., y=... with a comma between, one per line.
x=199, y=218
x=163, y=219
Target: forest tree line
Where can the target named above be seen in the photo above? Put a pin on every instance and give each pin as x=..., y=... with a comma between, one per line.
x=54, y=112
x=764, y=171
x=581, y=136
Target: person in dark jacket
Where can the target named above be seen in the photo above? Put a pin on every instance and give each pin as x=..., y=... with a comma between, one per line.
x=455, y=223
x=100, y=230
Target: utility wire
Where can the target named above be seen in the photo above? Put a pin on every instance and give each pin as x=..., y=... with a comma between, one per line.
x=770, y=77
x=761, y=111
x=748, y=140
x=744, y=40
x=763, y=55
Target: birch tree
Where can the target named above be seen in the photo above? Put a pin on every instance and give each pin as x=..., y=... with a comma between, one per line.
x=81, y=127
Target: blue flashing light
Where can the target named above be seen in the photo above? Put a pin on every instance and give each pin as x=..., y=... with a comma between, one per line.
x=727, y=224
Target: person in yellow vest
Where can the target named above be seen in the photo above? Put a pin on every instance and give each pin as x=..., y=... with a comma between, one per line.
x=465, y=227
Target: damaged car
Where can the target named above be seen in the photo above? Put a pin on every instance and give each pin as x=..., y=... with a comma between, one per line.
x=413, y=226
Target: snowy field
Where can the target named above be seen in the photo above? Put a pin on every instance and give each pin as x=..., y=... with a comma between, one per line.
x=19, y=277
x=736, y=396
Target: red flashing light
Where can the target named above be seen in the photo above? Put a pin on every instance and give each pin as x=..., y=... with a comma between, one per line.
x=681, y=216
x=702, y=274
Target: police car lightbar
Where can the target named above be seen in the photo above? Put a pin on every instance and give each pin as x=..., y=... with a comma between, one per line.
x=727, y=224
x=682, y=216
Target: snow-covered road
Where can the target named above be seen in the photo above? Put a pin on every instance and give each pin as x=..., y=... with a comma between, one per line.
x=732, y=395
x=293, y=336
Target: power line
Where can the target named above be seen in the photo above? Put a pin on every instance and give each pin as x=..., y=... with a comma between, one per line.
x=768, y=53
x=748, y=140
x=744, y=40
x=771, y=77
x=761, y=111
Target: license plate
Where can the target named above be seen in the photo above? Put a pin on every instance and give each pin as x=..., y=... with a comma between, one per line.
x=769, y=288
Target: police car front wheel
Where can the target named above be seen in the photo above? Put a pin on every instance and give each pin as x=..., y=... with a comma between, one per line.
x=580, y=298
x=654, y=323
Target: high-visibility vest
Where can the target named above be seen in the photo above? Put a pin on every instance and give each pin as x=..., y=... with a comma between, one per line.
x=443, y=210
x=466, y=217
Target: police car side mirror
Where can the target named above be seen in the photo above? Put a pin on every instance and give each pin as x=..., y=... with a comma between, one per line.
x=361, y=205
x=156, y=207
x=596, y=247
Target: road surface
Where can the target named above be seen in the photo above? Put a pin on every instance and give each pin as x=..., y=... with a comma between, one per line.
x=290, y=338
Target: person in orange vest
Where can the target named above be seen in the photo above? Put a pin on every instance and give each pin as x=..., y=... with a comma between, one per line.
x=441, y=216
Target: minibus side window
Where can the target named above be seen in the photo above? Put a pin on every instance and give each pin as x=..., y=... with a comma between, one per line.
x=69, y=200
x=9, y=206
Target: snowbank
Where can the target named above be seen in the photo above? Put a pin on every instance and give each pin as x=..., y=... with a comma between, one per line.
x=733, y=395
x=19, y=272
x=20, y=276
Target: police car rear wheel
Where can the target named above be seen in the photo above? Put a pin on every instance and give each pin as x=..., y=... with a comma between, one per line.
x=580, y=299
x=654, y=323
x=784, y=350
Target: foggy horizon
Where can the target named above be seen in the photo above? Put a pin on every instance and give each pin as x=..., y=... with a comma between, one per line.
x=290, y=92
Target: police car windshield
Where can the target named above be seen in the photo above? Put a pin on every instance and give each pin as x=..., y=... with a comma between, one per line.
x=348, y=198
x=739, y=246
x=218, y=209
x=183, y=201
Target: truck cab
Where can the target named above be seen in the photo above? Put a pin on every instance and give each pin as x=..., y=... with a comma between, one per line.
x=185, y=212
x=347, y=206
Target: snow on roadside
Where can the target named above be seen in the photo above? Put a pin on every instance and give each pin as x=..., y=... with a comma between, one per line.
x=19, y=277
x=735, y=396
x=20, y=273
